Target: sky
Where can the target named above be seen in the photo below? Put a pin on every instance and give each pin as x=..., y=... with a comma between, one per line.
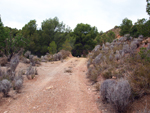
x=104, y=14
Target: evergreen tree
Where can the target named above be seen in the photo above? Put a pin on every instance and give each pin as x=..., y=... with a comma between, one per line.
x=66, y=46
x=3, y=37
x=125, y=26
x=148, y=7
x=84, y=36
x=52, y=48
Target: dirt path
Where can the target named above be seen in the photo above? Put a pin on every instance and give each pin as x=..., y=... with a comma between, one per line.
x=55, y=90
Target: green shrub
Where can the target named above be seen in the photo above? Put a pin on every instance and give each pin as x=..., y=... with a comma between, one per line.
x=144, y=54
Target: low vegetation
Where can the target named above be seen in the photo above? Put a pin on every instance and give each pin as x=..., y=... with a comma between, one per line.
x=124, y=68
x=119, y=57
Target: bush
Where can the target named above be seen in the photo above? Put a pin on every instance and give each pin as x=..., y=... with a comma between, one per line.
x=18, y=82
x=27, y=54
x=117, y=56
x=97, y=47
x=1, y=72
x=144, y=54
x=31, y=72
x=148, y=47
x=64, y=54
x=117, y=93
x=97, y=59
x=110, y=57
x=3, y=61
x=6, y=74
x=126, y=48
x=14, y=63
x=104, y=87
x=5, y=87
x=93, y=74
x=107, y=74
x=140, y=80
x=144, y=110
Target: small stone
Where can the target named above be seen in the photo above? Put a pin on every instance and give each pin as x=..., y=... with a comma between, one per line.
x=50, y=87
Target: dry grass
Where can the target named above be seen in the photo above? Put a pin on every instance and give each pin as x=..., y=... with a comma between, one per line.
x=68, y=71
x=122, y=61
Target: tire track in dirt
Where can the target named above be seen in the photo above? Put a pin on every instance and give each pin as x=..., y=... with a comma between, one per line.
x=55, y=91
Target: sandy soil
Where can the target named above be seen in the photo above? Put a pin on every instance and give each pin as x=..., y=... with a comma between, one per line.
x=55, y=90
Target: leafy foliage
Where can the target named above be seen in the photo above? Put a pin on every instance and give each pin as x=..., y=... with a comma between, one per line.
x=125, y=26
x=66, y=46
x=144, y=54
x=105, y=37
x=84, y=35
x=148, y=7
x=3, y=36
x=52, y=48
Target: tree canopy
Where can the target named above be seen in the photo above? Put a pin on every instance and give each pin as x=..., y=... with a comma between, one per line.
x=148, y=7
x=105, y=37
x=84, y=35
x=52, y=48
x=125, y=26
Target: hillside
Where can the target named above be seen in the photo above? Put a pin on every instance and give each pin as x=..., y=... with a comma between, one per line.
x=116, y=30
x=120, y=71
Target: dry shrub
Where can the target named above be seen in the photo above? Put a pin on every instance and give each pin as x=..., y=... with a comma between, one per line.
x=18, y=85
x=107, y=74
x=1, y=72
x=14, y=63
x=93, y=74
x=3, y=61
x=18, y=82
x=5, y=87
x=148, y=46
x=55, y=57
x=97, y=47
x=104, y=87
x=68, y=71
x=126, y=48
x=97, y=59
x=140, y=80
x=117, y=93
x=97, y=86
x=25, y=60
x=64, y=54
x=145, y=110
x=110, y=57
x=6, y=74
x=27, y=54
x=117, y=56
x=94, y=54
x=31, y=72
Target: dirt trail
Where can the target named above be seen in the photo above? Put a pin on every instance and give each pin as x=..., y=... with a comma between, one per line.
x=55, y=91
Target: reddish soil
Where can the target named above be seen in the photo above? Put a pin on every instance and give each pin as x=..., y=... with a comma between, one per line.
x=54, y=90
